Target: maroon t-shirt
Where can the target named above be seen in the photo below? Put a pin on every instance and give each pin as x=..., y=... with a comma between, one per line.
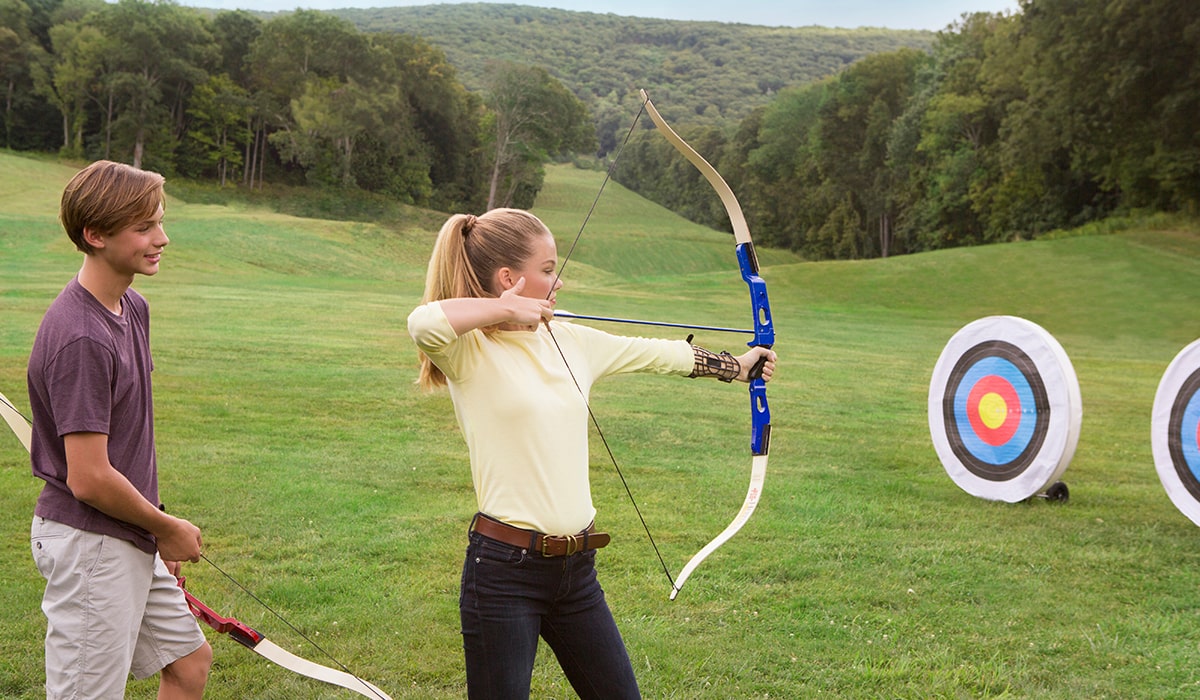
x=89, y=372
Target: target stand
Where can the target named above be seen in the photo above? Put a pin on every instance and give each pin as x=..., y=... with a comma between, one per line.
x=1005, y=410
x=1175, y=431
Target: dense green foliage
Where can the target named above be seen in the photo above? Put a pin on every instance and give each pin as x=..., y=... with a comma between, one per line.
x=531, y=116
x=841, y=143
x=311, y=98
x=308, y=98
x=302, y=98
x=1011, y=126
x=700, y=72
x=290, y=430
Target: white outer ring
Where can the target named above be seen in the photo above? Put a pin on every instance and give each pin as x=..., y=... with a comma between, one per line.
x=1182, y=367
x=1062, y=392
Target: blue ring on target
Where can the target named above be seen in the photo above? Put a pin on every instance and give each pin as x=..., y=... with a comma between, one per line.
x=996, y=455
x=1184, y=434
x=997, y=358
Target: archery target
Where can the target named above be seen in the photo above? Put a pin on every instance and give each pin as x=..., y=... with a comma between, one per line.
x=1004, y=408
x=1175, y=431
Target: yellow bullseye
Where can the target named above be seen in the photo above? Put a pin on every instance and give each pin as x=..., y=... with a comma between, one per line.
x=993, y=410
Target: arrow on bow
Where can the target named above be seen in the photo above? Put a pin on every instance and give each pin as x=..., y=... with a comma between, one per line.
x=764, y=336
x=241, y=633
x=558, y=313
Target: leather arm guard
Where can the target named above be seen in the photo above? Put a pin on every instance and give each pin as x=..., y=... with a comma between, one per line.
x=709, y=364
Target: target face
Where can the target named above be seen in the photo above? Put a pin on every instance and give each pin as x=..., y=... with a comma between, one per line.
x=1004, y=408
x=1175, y=431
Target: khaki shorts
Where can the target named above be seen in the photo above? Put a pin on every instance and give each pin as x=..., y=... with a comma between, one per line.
x=111, y=610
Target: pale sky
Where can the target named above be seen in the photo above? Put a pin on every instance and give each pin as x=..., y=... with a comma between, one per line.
x=893, y=14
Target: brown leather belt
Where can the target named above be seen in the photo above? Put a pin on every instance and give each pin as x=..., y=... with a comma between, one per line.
x=546, y=545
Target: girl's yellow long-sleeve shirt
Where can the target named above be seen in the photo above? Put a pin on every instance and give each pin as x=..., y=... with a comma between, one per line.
x=524, y=420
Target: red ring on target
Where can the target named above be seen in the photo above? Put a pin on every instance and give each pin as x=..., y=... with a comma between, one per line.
x=994, y=410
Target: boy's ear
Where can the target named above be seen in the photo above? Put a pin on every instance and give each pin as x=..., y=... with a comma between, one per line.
x=93, y=237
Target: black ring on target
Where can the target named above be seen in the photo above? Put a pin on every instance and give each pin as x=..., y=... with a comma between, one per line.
x=1183, y=434
x=1008, y=366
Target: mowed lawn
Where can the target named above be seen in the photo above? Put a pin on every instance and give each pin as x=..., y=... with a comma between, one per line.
x=290, y=430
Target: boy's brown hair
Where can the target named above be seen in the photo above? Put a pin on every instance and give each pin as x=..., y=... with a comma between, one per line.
x=106, y=197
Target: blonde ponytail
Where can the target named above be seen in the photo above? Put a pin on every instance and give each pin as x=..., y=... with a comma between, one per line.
x=466, y=255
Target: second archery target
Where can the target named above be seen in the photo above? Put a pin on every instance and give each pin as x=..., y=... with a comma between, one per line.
x=1005, y=409
x=1175, y=431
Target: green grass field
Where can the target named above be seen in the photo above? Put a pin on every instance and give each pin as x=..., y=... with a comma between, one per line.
x=291, y=432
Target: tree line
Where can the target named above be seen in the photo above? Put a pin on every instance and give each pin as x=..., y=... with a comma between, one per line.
x=699, y=72
x=1010, y=126
x=1002, y=127
x=301, y=98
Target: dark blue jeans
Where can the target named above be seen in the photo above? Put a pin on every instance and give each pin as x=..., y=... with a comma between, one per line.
x=510, y=597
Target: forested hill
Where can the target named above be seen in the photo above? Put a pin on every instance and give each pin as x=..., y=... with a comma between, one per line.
x=696, y=71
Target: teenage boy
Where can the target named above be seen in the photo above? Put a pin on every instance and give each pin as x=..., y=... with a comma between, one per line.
x=100, y=536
